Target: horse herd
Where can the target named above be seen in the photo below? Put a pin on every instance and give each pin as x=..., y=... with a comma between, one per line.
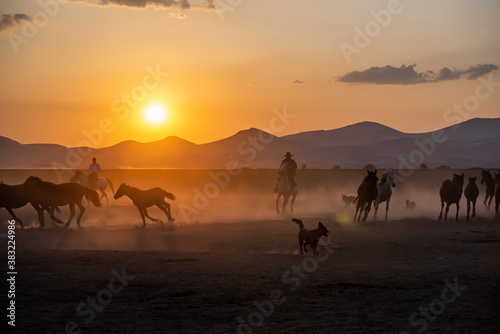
x=370, y=190
x=48, y=196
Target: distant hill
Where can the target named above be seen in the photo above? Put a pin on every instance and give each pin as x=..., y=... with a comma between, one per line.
x=473, y=143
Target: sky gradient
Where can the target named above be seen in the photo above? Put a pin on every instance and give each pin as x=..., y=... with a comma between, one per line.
x=218, y=68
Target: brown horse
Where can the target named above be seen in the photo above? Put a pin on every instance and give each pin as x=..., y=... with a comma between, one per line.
x=145, y=198
x=471, y=193
x=367, y=193
x=47, y=196
x=451, y=192
x=487, y=179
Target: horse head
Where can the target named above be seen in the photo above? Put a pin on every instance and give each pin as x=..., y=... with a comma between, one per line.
x=485, y=176
x=458, y=179
x=371, y=177
x=472, y=180
x=389, y=174
x=120, y=191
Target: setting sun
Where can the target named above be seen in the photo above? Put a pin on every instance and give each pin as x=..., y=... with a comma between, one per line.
x=155, y=114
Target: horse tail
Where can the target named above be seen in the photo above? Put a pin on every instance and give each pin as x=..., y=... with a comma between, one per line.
x=168, y=195
x=298, y=222
x=111, y=185
x=92, y=196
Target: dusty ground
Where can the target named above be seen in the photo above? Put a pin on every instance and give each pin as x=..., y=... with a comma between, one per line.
x=239, y=270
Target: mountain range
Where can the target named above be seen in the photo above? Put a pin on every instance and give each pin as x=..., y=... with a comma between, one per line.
x=473, y=143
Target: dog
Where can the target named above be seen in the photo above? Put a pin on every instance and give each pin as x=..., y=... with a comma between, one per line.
x=410, y=205
x=310, y=237
x=348, y=200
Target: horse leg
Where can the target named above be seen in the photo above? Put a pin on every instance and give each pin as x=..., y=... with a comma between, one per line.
x=277, y=203
x=103, y=194
x=446, y=212
x=293, y=201
x=15, y=218
x=458, y=208
x=441, y=213
x=72, y=214
x=468, y=210
x=285, y=202
x=486, y=200
x=82, y=210
x=367, y=210
x=149, y=217
x=473, y=208
x=141, y=211
x=165, y=209
x=375, y=206
x=489, y=203
x=387, y=208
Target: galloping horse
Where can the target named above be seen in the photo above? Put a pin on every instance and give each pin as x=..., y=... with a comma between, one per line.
x=101, y=184
x=145, y=198
x=490, y=187
x=471, y=193
x=286, y=190
x=367, y=193
x=384, y=191
x=451, y=192
x=47, y=196
x=497, y=195
x=14, y=197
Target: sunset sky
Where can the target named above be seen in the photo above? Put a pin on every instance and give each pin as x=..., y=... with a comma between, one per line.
x=221, y=66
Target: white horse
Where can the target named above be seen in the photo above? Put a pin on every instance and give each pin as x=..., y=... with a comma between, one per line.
x=385, y=191
x=284, y=188
x=101, y=184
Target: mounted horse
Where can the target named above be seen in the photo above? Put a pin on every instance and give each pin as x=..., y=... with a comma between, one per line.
x=47, y=196
x=384, y=191
x=451, y=192
x=101, y=183
x=143, y=199
x=285, y=189
x=367, y=193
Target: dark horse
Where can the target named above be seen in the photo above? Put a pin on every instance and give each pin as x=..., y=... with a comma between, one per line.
x=471, y=193
x=14, y=197
x=497, y=195
x=451, y=192
x=367, y=193
x=46, y=195
x=145, y=198
x=487, y=179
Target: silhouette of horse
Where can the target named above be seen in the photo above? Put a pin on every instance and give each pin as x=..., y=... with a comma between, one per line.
x=143, y=199
x=410, y=205
x=497, y=195
x=384, y=191
x=471, y=193
x=47, y=196
x=487, y=179
x=451, y=192
x=101, y=184
x=348, y=200
x=367, y=193
x=285, y=190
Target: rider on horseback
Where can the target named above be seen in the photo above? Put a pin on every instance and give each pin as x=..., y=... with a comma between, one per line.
x=291, y=171
x=94, y=170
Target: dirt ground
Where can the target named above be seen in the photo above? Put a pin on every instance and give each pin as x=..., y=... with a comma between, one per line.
x=229, y=264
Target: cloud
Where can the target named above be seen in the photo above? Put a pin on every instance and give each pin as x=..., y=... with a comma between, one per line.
x=406, y=75
x=11, y=20
x=298, y=82
x=178, y=16
x=160, y=4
